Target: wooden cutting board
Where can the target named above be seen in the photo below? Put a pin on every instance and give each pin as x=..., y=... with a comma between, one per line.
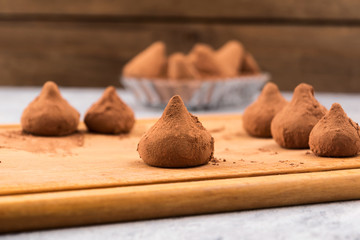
x=85, y=178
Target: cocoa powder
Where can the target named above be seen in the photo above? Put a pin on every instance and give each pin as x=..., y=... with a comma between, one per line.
x=177, y=139
x=258, y=116
x=291, y=127
x=109, y=115
x=335, y=135
x=50, y=114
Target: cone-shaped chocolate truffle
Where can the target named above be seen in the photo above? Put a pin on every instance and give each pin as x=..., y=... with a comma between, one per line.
x=291, y=127
x=258, y=116
x=50, y=114
x=177, y=139
x=231, y=56
x=149, y=63
x=249, y=65
x=335, y=135
x=180, y=68
x=204, y=59
x=110, y=114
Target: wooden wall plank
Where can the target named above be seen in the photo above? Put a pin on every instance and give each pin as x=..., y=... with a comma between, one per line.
x=264, y=9
x=92, y=54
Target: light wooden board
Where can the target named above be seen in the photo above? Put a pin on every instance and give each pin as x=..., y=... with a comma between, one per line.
x=109, y=182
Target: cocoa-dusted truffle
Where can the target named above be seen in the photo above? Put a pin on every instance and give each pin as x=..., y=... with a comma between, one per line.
x=180, y=68
x=335, y=135
x=149, y=63
x=258, y=116
x=231, y=56
x=250, y=66
x=291, y=127
x=109, y=114
x=177, y=139
x=50, y=114
x=204, y=59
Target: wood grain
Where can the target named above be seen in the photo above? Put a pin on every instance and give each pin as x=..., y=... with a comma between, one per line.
x=84, y=161
x=92, y=54
x=260, y=9
x=75, y=208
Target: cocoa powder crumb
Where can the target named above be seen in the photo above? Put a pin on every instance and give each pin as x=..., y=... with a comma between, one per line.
x=308, y=152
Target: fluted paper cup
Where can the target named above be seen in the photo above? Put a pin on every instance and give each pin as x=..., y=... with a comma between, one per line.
x=197, y=94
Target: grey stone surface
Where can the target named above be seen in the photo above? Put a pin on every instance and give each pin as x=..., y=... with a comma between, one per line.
x=339, y=220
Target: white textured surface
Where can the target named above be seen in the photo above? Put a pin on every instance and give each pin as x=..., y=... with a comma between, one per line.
x=321, y=221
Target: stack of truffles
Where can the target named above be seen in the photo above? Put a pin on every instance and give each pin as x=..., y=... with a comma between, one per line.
x=302, y=123
x=202, y=62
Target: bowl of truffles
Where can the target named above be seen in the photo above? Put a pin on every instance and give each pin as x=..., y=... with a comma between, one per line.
x=205, y=78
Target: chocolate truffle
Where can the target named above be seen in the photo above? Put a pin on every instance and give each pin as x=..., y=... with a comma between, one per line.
x=258, y=116
x=177, y=139
x=291, y=127
x=231, y=56
x=335, y=135
x=109, y=114
x=204, y=59
x=250, y=65
x=180, y=68
x=150, y=63
x=50, y=114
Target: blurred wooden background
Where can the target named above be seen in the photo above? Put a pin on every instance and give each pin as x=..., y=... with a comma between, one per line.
x=86, y=43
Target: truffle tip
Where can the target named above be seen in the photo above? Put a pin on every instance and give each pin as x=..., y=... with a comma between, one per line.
x=270, y=87
x=50, y=88
x=336, y=109
x=175, y=106
x=110, y=90
x=176, y=99
x=303, y=88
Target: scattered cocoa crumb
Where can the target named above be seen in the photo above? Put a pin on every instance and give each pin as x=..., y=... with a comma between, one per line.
x=233, y=162
x=224, y=160
x=214, y=160
x=216, y=130
x=264, y=150
x=308, y=152
x=253, y=161
x=301, y=163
